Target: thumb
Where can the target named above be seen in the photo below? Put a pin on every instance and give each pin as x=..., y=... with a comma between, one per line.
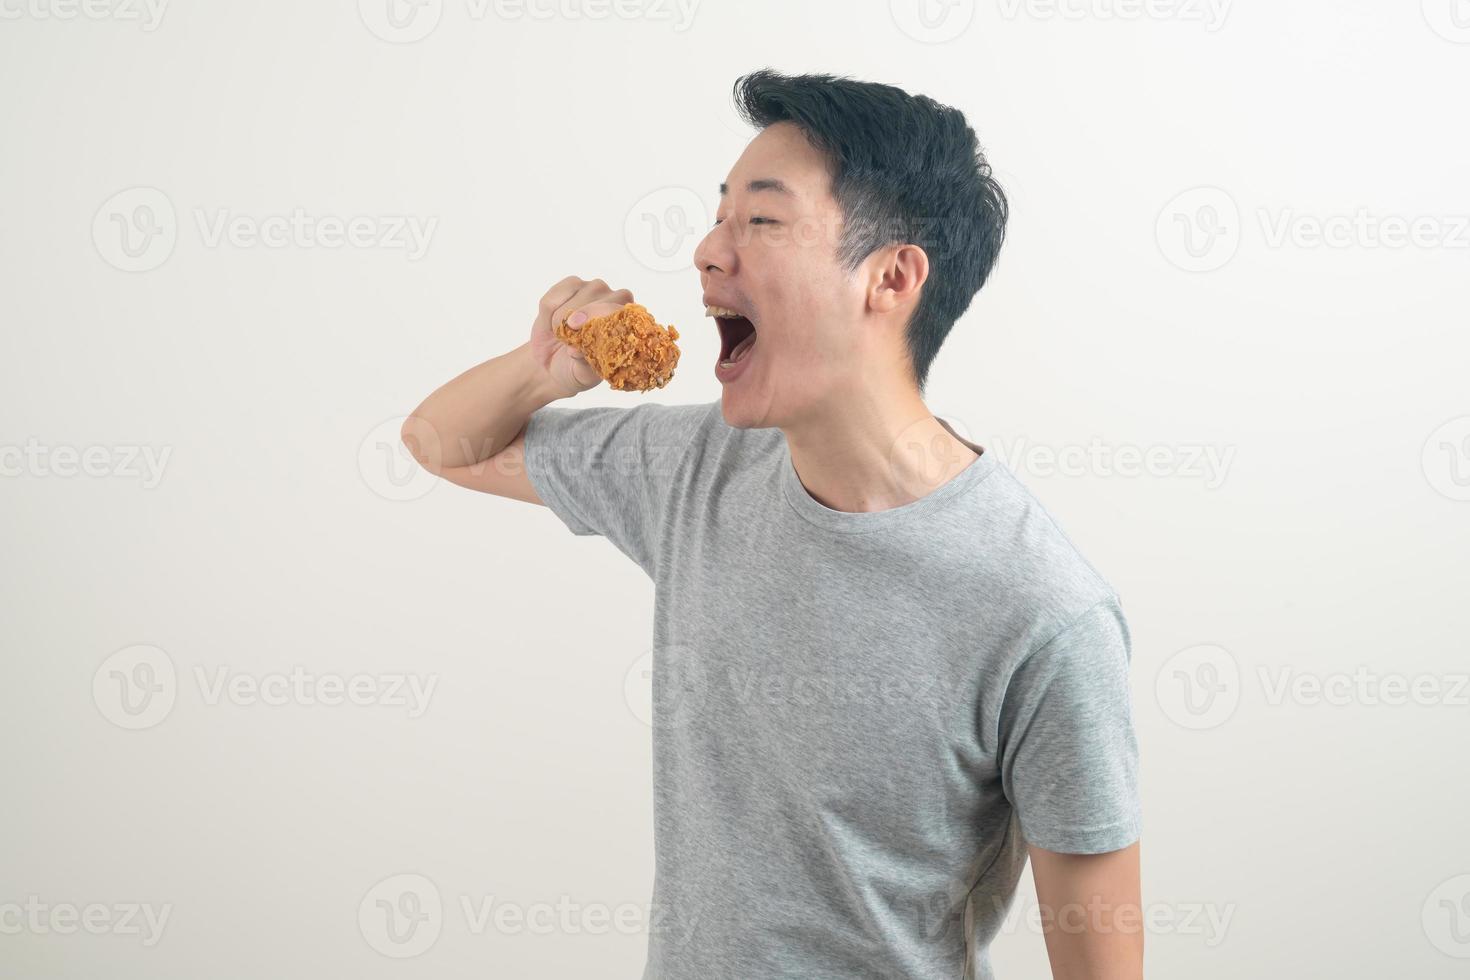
x=582, y=370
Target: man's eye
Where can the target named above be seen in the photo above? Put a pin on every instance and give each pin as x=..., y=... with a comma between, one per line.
x=755, y=220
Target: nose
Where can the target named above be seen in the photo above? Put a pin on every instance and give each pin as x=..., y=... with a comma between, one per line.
x=714, y=253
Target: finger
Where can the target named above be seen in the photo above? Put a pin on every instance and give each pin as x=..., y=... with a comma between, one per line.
x=555, y=297
x=587, y=376
x=587, y=293
x=582, y=314
x=569, y=361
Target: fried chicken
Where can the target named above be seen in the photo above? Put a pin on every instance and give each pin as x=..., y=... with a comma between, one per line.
x=628, y=348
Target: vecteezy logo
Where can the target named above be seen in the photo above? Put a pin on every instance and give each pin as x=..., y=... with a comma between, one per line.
x=1446, y=459
x=135, y=687
x=921, y=460
x=136, y=229
x=1199, y=230
x=932, y=21
x=1199, y=687
x=387, y=466
x=666, y=687
x=1450, y=19
x=662, y=229
x=401, y=916
x=401, y=21
x=1446, y=917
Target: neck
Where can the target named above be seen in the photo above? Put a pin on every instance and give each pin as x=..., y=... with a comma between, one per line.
x=875, y=450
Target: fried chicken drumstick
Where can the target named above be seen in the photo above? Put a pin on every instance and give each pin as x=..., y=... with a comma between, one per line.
x=628, y=348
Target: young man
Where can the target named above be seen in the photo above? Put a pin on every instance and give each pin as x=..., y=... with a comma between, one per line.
x=882, y=676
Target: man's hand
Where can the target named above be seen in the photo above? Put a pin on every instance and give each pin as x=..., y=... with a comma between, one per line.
x=564, y=365
x=1090, y=913
x=471, y=431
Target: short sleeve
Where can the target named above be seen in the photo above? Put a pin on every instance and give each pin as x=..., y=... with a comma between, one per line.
x=610, y=470
x=1068, y=751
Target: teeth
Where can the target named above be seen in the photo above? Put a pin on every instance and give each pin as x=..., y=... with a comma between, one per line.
x=720, y=311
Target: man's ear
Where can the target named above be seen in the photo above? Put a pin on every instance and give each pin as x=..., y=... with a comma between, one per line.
x=898, y=274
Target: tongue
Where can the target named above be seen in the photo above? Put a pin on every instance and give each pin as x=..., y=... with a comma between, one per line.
x=742, y=348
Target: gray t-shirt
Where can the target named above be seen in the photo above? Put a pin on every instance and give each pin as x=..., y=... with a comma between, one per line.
x=860, y=719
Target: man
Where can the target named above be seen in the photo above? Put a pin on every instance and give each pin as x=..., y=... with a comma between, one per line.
x=883, y=677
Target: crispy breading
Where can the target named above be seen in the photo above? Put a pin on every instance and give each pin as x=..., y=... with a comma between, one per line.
x=628, y=348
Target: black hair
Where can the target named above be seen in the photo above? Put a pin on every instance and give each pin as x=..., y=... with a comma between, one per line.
x=905, y=169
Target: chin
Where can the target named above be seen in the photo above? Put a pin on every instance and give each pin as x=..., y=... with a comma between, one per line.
x=741, y=412
x=735, y=417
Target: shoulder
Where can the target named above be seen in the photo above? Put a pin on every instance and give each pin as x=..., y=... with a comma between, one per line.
x=717, y=445
x=1036, y=581
x=649, y=424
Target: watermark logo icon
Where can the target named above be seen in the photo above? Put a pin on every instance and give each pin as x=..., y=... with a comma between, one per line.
x=135, y=230
x=401, y=916
x=662, y=229
x=932, y=21
x=1199, y=230
x=1446, y=459
x=136, y=687
x=1199, y=687
x=666, y=687
x=387, y=466
x=401, y=21
x=1450, y=19
x=1446, y=917
x=922, y=458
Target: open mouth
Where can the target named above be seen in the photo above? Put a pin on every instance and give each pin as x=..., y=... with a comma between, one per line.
x=737, y=334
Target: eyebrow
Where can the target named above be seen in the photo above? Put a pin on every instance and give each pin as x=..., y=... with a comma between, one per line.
x=761, y=184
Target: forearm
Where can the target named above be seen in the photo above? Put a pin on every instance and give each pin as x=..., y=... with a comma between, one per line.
x=480, y=412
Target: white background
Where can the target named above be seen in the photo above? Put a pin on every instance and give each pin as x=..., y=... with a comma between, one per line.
x=1326, y=831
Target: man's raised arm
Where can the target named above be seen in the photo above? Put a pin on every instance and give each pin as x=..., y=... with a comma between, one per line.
x=471, y=431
